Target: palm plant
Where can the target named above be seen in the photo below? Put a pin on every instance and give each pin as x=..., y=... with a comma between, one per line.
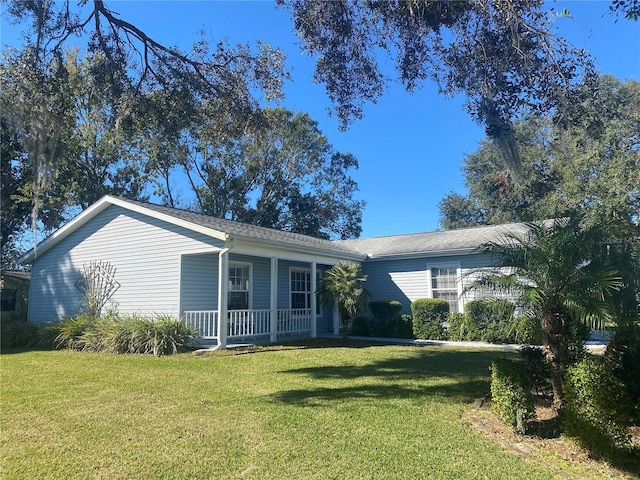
x=562, y=274
x=343, y=285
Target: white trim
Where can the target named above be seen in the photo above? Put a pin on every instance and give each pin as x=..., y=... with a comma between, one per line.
x=100, y=206
x=313, y=306
x=424, y=254
x=310, y=292
x=273, y=300
x=458, y=268
x=234, y=263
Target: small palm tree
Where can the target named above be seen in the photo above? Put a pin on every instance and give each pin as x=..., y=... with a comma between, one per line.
x=562, y=274
x=343, y=285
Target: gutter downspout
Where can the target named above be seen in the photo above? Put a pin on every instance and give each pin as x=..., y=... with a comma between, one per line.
x=223, y=291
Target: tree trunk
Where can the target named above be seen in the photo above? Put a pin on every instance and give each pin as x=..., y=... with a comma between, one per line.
x=345, y=328
x=556, y=349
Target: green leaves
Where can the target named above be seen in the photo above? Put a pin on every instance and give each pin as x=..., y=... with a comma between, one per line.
x=343, y=285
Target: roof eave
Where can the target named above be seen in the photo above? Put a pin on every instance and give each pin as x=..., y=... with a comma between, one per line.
x=328, y=252
x=98, y=207
x=426, y=253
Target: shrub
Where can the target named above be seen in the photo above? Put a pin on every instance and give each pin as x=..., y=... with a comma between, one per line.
x=428, y=316
x=18, y=334
x=623, y=357
x=526, y=330
x=491, y=320
x=360, y=327
x=511, y=393
x=70, y=330
x=405, y=327
x=172, y=336
x=579, y=333
x=385, y=318
x=537, y=368
x=460, y=327
x=596, y=412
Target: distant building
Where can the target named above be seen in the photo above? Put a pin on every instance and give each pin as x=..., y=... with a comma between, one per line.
x=14, y=295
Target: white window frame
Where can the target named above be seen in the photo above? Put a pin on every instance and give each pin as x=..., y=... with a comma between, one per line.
x=233, y=264
x=306, y=271
x=458, y=269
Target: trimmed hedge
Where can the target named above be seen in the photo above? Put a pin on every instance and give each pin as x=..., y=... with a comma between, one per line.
x=511, y=393
x=490, y=320
x=386, y=321
x=597, y=413
x=385, y=317
x=428, y=316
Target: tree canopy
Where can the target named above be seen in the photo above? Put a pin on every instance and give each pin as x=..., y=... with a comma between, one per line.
x=562, y=273
x=92, y=105
x=502, y=55
x=592, y=163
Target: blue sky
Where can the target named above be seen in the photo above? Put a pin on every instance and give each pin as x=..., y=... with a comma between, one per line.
x=410, y=147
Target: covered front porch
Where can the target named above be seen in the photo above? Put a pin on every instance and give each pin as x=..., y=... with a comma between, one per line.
x=235, y=296
x=242, y=325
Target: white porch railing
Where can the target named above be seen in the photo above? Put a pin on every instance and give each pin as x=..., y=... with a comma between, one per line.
x=294, y=321
x=250, y=323
x=205, y=321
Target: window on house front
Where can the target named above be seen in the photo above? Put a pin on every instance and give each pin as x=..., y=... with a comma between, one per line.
x=239, y=287
x=444, y=284
x=300, y=288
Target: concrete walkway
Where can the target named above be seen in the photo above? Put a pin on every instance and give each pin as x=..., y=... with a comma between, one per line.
x=595, y=343
x=591, y=345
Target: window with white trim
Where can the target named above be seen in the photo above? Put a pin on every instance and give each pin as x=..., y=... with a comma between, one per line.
x=239, y=286
x=300, y=288
x=444, y=284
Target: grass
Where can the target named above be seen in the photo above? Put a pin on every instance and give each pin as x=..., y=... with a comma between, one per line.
x=317, y=410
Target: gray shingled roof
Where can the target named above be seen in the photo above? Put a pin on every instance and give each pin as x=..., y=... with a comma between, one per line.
x=246, y=230
x=463, y=239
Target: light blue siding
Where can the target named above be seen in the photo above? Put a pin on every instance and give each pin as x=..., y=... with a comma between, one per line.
x=145, y=251
x=260, y=281
x=199, y=282
x=405, y=280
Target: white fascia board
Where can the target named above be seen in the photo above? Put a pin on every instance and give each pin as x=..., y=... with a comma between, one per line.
x=249, y=246
x=425, y=254
x=169, y=219
x=98, y=207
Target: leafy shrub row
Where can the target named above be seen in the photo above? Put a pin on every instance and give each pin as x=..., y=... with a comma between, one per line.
x=493, y=321
x=114, y=333
x=429, y=316
x=623, y=357
x=386, y=321
x=597, y=412
x=487, y=321
x=511, y=393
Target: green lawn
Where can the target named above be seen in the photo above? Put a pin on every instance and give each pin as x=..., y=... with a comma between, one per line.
x=318, y=410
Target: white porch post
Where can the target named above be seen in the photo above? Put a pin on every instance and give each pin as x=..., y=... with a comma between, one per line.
x=223, y=295
x=274, y=299
x=336, y=320
x=314, y=319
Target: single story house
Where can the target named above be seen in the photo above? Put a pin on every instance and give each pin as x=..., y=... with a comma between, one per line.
x=234, y=280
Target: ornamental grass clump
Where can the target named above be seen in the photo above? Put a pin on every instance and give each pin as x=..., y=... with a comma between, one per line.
x=114, y=333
